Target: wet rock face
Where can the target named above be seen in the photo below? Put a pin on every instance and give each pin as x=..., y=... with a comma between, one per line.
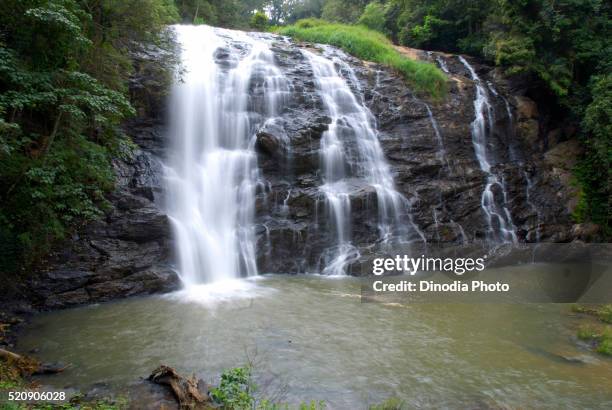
x=438, y=174
x=127, y=252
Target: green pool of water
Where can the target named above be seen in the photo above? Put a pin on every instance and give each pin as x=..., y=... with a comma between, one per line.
x=311, y=338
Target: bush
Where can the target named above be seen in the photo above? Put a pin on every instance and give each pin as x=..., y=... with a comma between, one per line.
x=310, y=22
x=602, y=312
x=373, y=16
x=235, y=389
x=343, y=11
x=372, y=46
x=587, y=333
x=259, y=21
x=601, y=338
x=605, y=347
x=605, y=314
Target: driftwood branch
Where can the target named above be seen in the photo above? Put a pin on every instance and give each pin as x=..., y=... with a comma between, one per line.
x=186, y=390
x=29, y=366
x=9, y=355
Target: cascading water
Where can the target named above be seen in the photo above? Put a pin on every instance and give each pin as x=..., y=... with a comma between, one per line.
x=231, y=91
x=352, y=128
x=441, y=149
x=500, y=225
x=212, y=173
x=442, y=65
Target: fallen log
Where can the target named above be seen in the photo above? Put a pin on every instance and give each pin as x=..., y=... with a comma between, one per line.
x=51, y=368
x=187, y=391
x=29, y=366
x=9, y=355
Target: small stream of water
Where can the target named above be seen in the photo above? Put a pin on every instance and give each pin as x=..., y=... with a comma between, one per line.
x=499, y=220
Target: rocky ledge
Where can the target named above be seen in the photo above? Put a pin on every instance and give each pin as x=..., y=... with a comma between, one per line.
x=128, y=251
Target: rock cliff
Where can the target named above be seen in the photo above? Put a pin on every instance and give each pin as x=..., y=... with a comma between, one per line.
x=428, y=145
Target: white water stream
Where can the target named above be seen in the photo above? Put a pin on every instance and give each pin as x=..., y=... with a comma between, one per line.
x=212, y=173
x=351, y=157
x=499, y=220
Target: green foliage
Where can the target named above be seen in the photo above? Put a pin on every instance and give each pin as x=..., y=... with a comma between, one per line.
x=63, y=75
x=372, y=46
x=594, y=170
x=551, y=40
x=600, y=337
x=313, y=405
x=343, y=11
x=259, y=21
x=421, y=34
x=113, y=26
x=12, y=379
x=602, y=312
x=392, y=403
x=558, y=41
x=605, y=314
x=224, y=13
x=605, y=347
x=310, y=22
x=302, y=9
x=235, y=389
x=373, y=16
x=586, y=333
x=10, y=376
x=438, y=24
x=77, y=404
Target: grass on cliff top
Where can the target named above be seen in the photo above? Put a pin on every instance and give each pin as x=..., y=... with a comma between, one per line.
x=370, y=45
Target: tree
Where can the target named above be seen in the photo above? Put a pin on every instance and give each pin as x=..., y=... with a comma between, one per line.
x=595, y=169
x=344, y=11
x=373, y=16
x=301, y=9
x=259, y=21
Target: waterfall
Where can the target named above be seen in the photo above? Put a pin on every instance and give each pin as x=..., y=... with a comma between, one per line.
x=440, y=61
x=441, y=150
x=212, y=172
x=500, y=225
x=350, y=156
x=442, y=65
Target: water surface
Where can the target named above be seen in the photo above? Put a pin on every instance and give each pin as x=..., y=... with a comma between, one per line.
x=311, y=338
